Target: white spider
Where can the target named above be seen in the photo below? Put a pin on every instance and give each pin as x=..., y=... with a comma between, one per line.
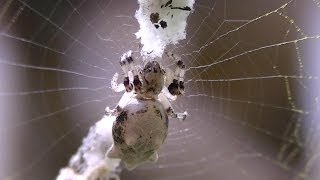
x=141, y=126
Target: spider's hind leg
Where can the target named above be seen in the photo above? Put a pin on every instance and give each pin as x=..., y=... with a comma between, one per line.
x=167, y=106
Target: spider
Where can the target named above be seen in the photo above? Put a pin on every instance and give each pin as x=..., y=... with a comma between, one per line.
x=141, y=124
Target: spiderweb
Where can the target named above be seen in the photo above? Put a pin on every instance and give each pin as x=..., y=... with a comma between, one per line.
x=252, y=87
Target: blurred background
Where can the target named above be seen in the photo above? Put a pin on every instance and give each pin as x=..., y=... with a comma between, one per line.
x=252, y=87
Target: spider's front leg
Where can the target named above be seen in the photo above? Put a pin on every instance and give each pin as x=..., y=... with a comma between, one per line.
x=177, y=85
x=129, y=69
x=127, y=64
x=124, y=63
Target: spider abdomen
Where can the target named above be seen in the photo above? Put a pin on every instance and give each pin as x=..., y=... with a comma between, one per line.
x=140, y=129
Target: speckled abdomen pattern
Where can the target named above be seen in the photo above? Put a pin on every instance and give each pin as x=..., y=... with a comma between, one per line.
x=140, y=129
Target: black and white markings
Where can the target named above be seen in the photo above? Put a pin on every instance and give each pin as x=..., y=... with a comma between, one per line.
x=141, y=125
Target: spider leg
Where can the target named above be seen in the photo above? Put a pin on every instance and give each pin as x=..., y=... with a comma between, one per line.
x=177, y=85
x=127, y=64
x=170, y=112
x=125, y=68
x=114, y=84
x=108, y=111
x=136, y=81
x=123, y=101
x=166, y=92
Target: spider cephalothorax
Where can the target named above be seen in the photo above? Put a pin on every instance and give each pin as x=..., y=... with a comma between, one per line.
x=141, y=124
x=152, y=76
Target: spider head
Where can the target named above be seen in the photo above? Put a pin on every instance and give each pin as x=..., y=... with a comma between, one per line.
x=153, y=78
x=152, y=67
